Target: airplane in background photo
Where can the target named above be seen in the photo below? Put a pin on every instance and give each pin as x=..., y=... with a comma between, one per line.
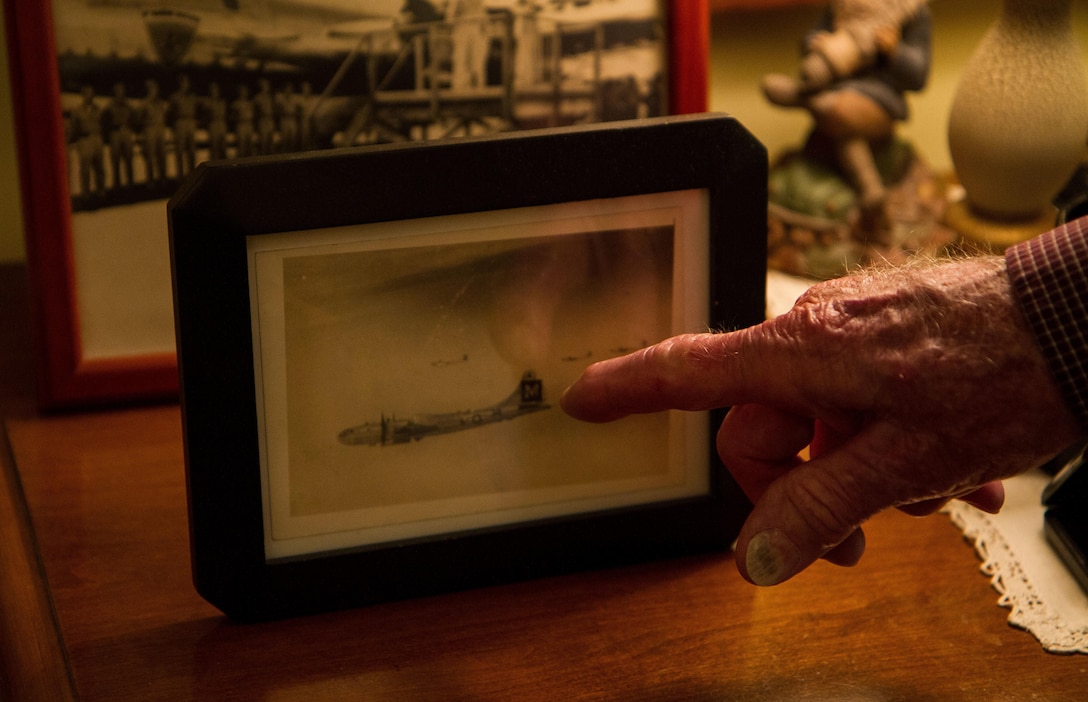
x=283, y=32
x=527, y=398
x=220, y=22
x=276, y=76
x=237, y=33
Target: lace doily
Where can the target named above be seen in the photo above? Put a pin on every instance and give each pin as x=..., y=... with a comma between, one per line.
x=1042, y=596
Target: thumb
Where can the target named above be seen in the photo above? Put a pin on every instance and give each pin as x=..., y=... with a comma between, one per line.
x=813, y=511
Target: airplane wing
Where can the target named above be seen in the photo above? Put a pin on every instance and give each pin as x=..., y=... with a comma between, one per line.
x=332, y=10
x=599, y=11
x=356, y=29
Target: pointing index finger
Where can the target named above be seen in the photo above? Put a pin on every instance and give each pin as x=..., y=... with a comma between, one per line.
x=689, y=372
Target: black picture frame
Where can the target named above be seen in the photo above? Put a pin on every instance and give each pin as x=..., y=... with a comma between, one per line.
x=228, y=207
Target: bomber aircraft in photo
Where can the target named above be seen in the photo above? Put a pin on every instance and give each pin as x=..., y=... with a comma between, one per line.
x=527, y=398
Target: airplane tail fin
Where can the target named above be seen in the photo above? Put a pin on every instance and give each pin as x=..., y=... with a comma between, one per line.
x=529, y=393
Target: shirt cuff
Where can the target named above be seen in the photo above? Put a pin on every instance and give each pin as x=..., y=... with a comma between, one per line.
x=1049, y=276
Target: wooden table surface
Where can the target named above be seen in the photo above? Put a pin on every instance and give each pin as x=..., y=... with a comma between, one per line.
x=115, y=616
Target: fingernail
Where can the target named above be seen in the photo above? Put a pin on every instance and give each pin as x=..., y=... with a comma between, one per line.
x=771, y=558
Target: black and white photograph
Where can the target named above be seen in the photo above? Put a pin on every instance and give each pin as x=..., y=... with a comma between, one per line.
x=411, y=371
x=149, y=89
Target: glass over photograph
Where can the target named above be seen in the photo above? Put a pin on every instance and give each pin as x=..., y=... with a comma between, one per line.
x=408, y=373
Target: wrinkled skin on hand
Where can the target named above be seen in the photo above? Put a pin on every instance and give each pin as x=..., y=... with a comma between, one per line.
x=910, y=386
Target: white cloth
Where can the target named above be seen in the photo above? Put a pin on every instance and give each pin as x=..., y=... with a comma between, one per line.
x=1042, y=596
x=783, y=290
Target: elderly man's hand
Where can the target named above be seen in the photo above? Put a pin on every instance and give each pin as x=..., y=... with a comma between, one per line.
x=910, y=387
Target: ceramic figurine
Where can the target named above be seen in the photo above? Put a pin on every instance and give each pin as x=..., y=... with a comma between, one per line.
x=856, y=68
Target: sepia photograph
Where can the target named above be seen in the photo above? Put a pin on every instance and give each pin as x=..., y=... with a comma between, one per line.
x=410, y=373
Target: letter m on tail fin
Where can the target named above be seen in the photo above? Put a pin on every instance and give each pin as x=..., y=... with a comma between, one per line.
x=532, y=389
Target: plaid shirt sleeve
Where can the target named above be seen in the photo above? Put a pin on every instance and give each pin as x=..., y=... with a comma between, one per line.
x=1049, y=276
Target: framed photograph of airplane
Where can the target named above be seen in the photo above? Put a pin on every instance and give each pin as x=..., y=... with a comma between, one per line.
x=116, y=102
x=372, y=344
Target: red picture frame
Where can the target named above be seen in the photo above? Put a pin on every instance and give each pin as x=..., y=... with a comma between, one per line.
x=68, y=376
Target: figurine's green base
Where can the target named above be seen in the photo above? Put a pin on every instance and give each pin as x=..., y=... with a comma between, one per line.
x=816, y=228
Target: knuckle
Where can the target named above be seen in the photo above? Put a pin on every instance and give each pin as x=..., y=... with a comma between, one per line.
x=825, y=509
